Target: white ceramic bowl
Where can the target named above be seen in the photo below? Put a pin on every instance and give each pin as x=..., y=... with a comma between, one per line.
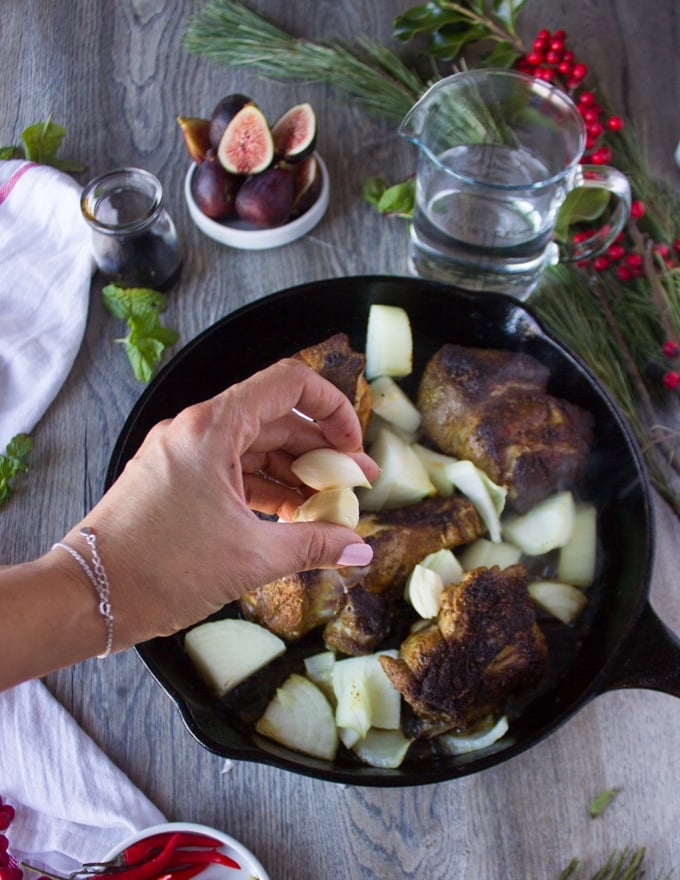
x=245, y=236
x=251, y=869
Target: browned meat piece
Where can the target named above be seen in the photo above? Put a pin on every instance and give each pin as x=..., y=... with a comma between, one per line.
x=492, y=407
x=484, y=645
x=336, y=360
x=358, y=604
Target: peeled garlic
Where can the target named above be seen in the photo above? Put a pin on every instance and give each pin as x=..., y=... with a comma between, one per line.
x=328, y=469
x=339, y=506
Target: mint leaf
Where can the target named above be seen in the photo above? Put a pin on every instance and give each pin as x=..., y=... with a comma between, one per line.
x=396, y=200
x=147, y=338
x=42, y=140
x=10, y=153
x=12, y=463
x=123, y=302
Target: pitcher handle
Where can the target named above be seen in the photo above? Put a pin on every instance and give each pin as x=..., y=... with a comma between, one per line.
x=601, y=177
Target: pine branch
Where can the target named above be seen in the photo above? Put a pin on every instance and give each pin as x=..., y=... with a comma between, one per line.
x=229, y=33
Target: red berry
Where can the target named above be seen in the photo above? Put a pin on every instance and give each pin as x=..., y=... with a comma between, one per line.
x=615, y=123
x=676, y=245
x=637, y=210
x=564, y=67
x=601, y=156
x=6, y=816
x=671, y=348
x=544, y=73
x=634, y=260
x=586, y=99
x=4, y=859
x=579, y=237
x=616, y=252
x=594, y=129
x=540, y=44
x=671, y=379
x=4, y=843
x=560, y=35
x=568, y=56
x=623, y=273
x=543, y=34
x=601, y=263
x=553, y=57
x=580, y=71
x=535, y=58
x=9, y=872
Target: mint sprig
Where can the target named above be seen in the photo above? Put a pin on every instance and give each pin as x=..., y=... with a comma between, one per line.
x=12, y=463
x=40, y=143
x=147, y=338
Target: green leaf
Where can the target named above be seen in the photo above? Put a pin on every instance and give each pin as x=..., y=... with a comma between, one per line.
x=123, y=302
x=10, y=153
x=425, y=19
x=581, y=205
x=42, y=140
x=601, y=801
x=507, y=11
x=397, y=200
x=502, y=55
x=147, y=339
x=13, y=462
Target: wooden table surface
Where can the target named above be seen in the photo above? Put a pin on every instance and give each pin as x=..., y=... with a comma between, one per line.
x=116, y=76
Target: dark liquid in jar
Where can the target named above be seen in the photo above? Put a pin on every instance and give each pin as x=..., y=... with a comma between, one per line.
x=149, y=257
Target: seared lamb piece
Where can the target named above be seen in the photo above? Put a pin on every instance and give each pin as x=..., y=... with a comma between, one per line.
x=336, y=360
x=492, y=407
x=484, y=645
x=357, y=605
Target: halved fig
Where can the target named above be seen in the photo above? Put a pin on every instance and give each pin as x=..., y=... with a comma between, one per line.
x=307, y=184
x=214, y=189
x=246, y=146
x=223, y=113
x=195, y=132
x=265, y=199
x=294, y=133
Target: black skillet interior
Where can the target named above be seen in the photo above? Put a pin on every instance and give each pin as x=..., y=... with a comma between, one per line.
x=284, y=322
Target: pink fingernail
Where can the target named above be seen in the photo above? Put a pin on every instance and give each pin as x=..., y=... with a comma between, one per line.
x=356, y=554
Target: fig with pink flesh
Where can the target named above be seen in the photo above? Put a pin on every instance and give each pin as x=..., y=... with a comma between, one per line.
x=265, y=199
x=223, y=113
x=214, y=189
x=195, y=132
x=294, y=133
x=246, y=146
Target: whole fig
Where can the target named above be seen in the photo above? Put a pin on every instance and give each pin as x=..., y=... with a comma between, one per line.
x=265, y=199
x=214, y=189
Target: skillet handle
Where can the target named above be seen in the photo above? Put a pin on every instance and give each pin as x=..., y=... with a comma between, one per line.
x=650, y=658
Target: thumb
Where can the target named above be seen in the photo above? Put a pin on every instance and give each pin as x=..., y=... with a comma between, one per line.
x=293, y=547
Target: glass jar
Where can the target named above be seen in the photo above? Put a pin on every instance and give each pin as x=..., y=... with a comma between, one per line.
x=134, y=239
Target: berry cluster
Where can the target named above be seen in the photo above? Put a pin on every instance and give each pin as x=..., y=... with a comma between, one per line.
x=660, y=372
x=9, y=870
x=550, y=60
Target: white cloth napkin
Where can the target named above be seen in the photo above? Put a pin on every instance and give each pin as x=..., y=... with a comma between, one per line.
x=45, y=273
x=72, y=803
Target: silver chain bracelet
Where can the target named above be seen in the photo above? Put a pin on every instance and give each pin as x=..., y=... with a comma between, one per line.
x=97, y=576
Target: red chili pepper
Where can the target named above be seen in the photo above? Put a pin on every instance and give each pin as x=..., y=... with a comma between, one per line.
x=201, y=857
x=144, y=849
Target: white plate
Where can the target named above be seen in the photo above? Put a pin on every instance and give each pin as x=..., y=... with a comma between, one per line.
x=251, y=869
x=242, y=235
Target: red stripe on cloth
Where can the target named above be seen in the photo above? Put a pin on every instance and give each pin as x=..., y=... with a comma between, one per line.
x=9, y=185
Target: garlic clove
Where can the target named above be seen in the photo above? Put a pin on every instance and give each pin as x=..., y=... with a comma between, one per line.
x=328, y=469
x=339, y=506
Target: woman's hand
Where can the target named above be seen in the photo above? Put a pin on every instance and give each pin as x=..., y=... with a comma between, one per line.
x=177, y=533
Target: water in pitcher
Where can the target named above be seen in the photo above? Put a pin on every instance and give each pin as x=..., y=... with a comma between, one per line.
x=487, y=225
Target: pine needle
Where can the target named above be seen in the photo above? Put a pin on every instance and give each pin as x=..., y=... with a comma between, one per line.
x=624, y=865
x=229, y=33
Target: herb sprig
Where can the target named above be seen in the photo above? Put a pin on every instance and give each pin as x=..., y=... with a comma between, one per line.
x=40, y=143
x=147, y=338
x=13, y=462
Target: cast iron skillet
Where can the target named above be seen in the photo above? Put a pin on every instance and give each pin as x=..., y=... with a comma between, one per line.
x=622, y=642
